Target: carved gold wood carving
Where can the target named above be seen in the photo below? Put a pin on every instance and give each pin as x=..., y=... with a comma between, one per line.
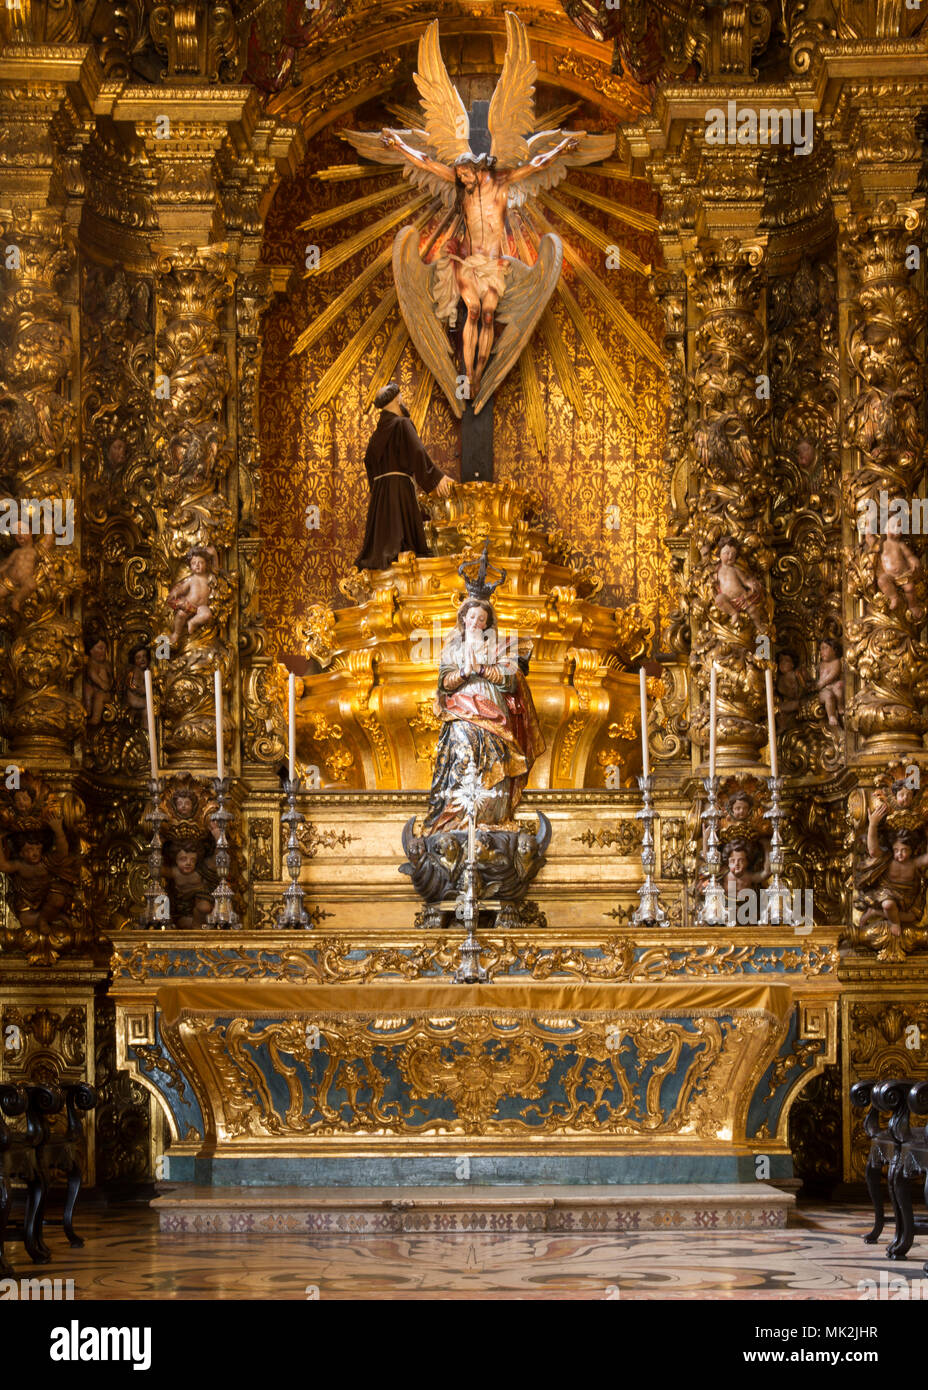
x=406, y=1076
x=197, y=527
x=727, y=601
x=369, y=714
x=332, y=960
x=886, y=645
x=41, y=575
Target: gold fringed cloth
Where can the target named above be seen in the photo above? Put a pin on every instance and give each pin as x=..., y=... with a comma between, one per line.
x=442, y=1000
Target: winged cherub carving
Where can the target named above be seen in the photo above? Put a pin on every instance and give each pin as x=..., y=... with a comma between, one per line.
x=470, y=258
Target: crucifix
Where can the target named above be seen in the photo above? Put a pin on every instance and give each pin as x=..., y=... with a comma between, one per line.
x=477, y=430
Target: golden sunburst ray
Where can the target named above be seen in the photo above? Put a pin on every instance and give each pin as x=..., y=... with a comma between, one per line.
x=534, y=409
x=614, y=386
x=335, y=256
x=329, y=217
x=388, y=363
x=333, y=311
x=641, y=221
x=563, y=367
x=341, y=173
x=583, y=228
x=611, y=170
x=552, y=119
x=408, y=117
x=420, y=401
x=551, y=333
x=335, y=376
x=637, y=337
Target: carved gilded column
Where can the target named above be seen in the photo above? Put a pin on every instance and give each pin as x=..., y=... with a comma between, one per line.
x=668, y=742
x=244, y=182
x=44, y=111
x=197, y=527
x=263, y=741
x=727, y=600
x=42, y=577
x=885, y=429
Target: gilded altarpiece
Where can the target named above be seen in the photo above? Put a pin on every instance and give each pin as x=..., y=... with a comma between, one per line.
x=746, y=377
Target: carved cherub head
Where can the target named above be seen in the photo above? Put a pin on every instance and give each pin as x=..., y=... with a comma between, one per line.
x=187, y=857
x=738, y=857
x=905, y=844
x=183, y=804
x=199, y=560
x=903, y=793
x=31, y=848
x=805, y=453
x=116, y=451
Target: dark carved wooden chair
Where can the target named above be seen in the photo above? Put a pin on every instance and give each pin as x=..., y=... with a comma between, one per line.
x=65, y=1152
x=19, y=1160
x=878, y=1098
x=913, y=1162
x=33, y=1154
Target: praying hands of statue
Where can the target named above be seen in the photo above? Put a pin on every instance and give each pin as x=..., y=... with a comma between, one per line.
x=470, y=665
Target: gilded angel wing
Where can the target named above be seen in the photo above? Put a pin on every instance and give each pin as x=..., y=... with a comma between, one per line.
x=446, y=119
x=591, y=150
x=369, y=144
x=528, y=290
x=512, y=110
x=412, y=277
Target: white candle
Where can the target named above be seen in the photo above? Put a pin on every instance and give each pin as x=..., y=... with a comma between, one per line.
x=152, y=744
x=771, y=726
x=470, y=838
x=712, y=716
x=291, y=693
x=643, y=690
x=217, y=685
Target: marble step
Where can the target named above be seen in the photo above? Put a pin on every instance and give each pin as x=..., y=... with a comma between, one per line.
x=189, y=1209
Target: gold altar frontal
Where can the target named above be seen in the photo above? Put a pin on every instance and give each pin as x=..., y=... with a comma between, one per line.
x=621, y=1057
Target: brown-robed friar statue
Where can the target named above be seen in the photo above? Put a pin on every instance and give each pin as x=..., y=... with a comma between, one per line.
x=395, y=461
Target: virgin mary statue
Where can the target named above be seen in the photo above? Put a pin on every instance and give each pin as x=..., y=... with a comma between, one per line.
x=488, y=717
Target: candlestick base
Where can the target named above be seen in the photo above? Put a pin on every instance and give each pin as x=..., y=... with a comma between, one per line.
x=223, y=914
x=156, y=913
x=713, y=911
x=293, y=914
x=467, y=910
x=776, y=907
x=649, y=912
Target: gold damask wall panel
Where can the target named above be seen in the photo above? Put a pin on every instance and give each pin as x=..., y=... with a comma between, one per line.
x=317, y=460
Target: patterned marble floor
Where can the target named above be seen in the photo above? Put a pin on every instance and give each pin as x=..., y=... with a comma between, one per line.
x=819, y=1256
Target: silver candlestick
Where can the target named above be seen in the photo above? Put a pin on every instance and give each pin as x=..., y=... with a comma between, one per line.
x=223, y=913
x=293, y=913
x=469, y=796
x=649, y=912
x=157, y=910
x=470, y=971
x=714, y=910
x=776, y=909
